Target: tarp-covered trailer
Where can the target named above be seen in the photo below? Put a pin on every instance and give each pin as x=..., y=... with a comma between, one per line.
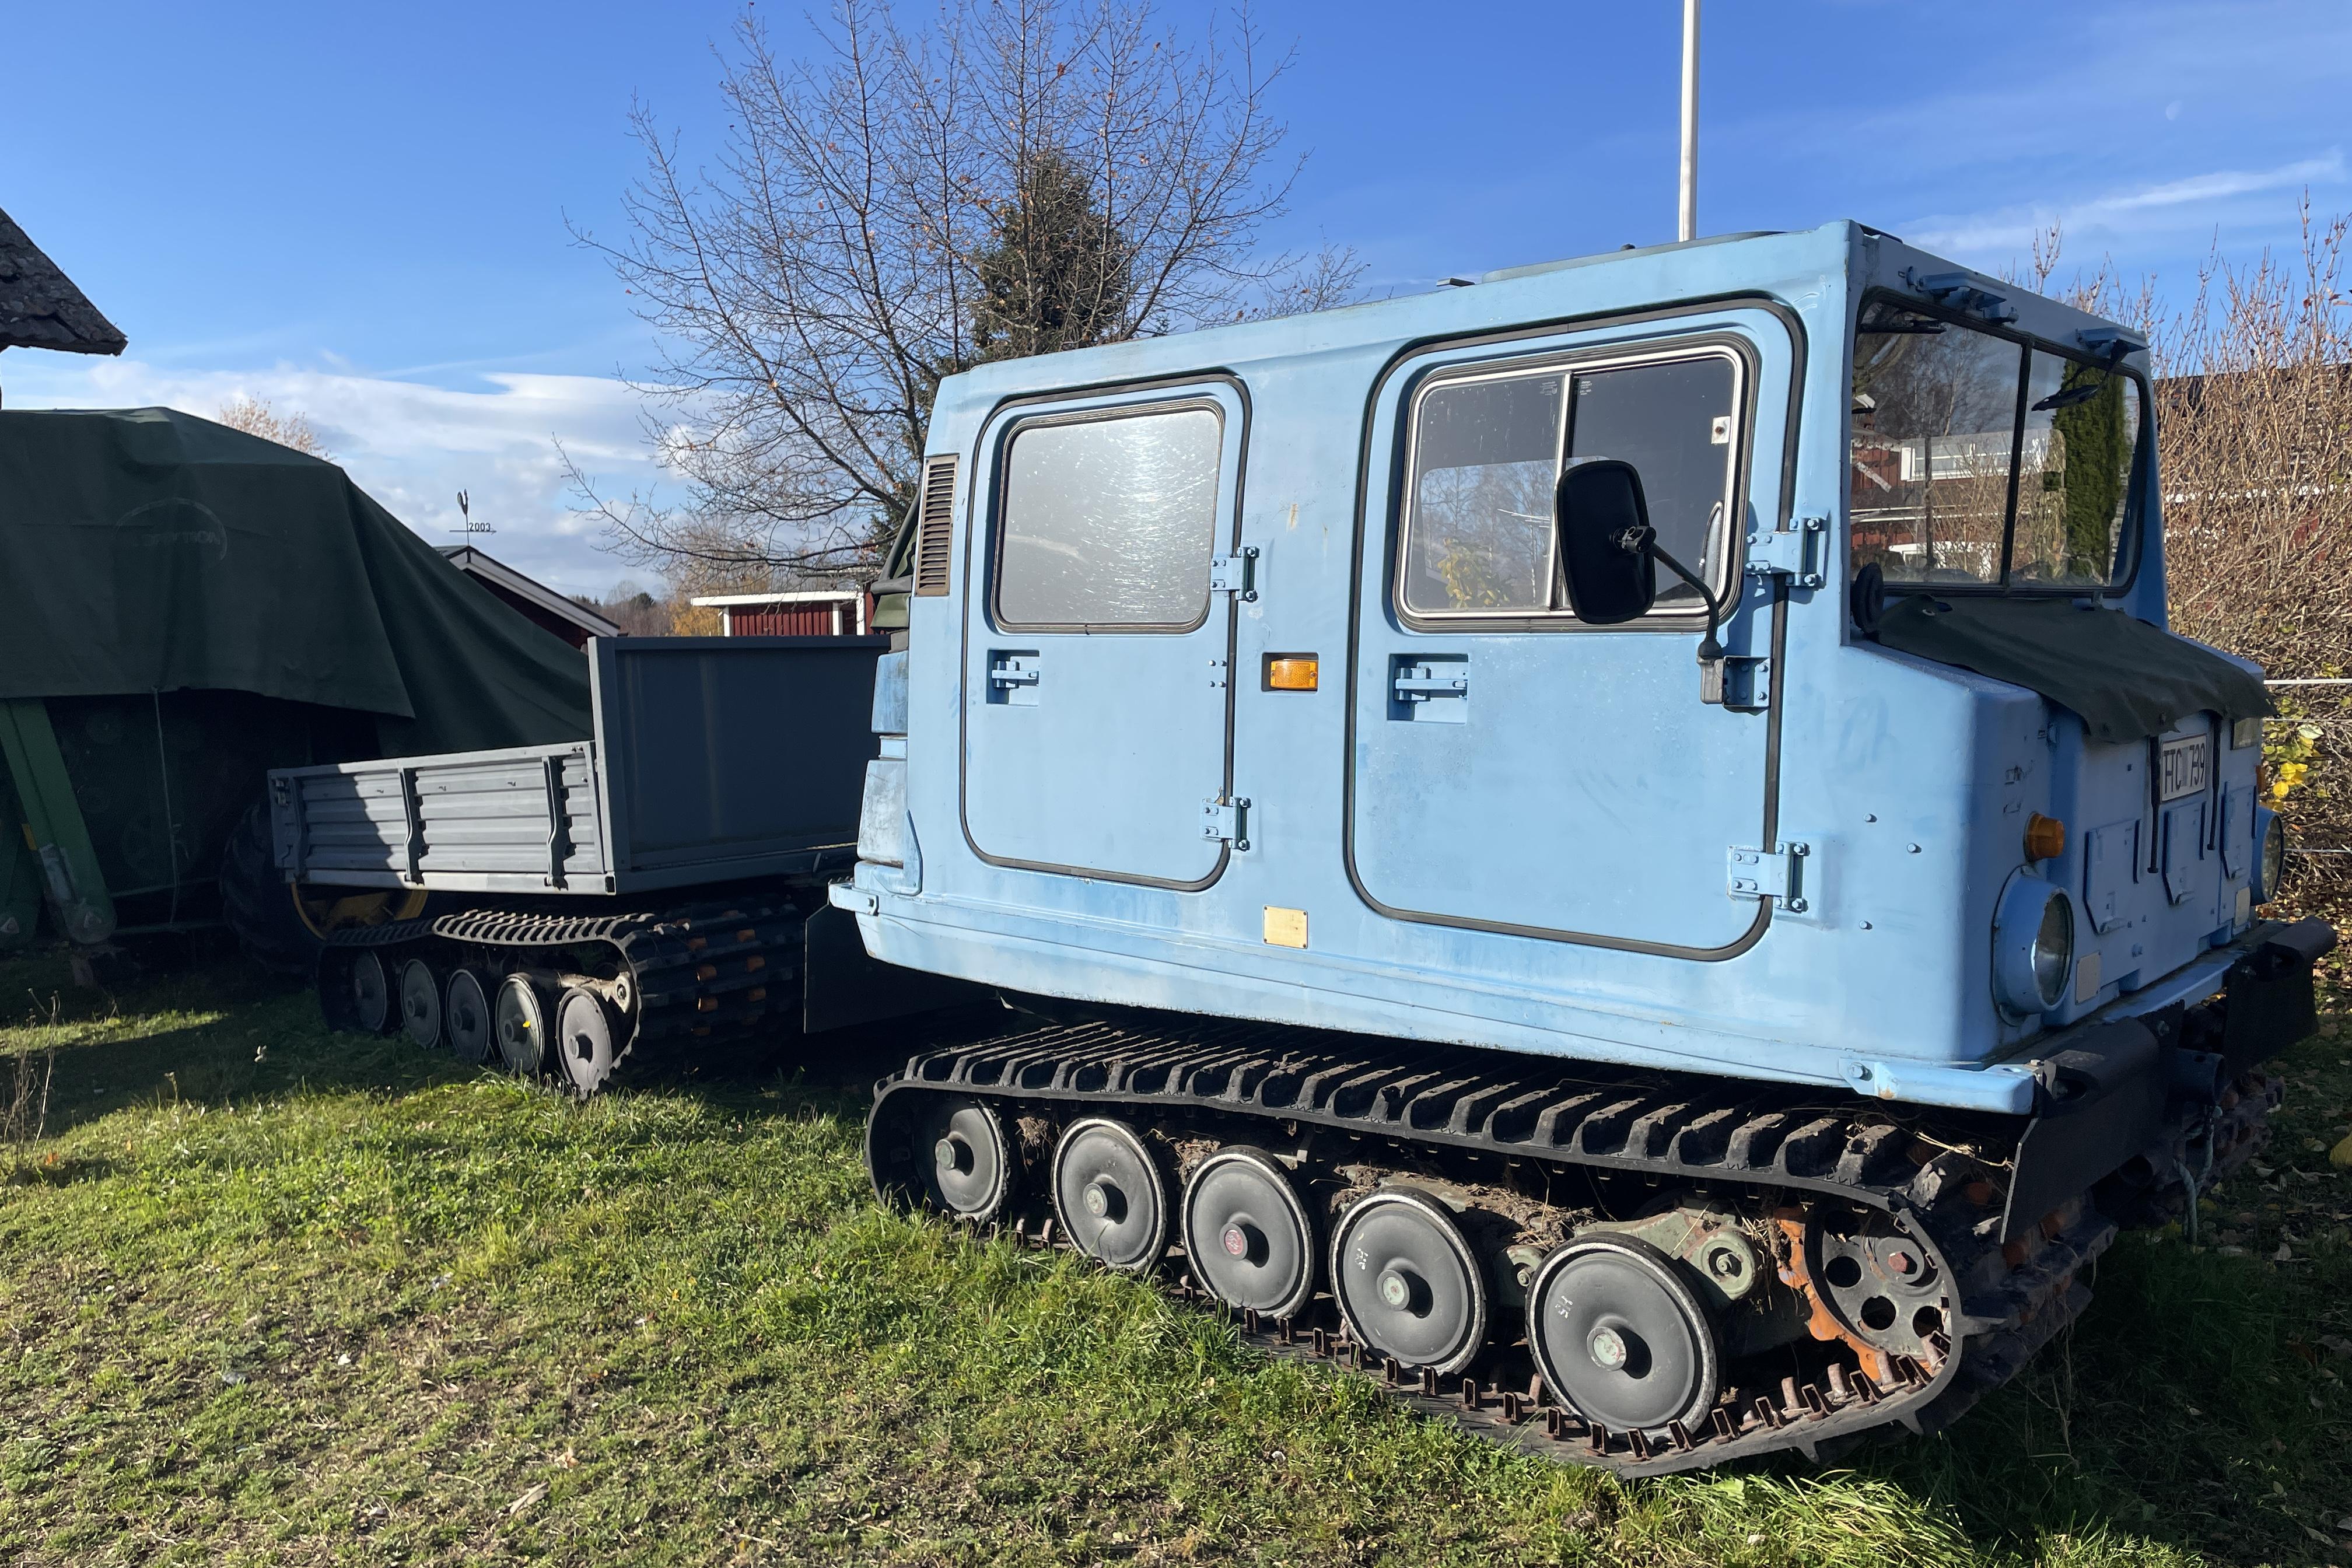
x=663, y=880
x=183, y=606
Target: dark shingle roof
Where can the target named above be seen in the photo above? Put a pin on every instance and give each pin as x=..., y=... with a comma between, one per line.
x=39, y=306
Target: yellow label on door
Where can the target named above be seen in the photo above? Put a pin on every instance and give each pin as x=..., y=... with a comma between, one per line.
x=1286, y=928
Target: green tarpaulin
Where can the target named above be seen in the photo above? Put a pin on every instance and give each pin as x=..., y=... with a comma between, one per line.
x=144, y=549
x=2127, y=679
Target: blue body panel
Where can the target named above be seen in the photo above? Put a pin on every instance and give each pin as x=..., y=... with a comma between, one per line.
x=1535, y=860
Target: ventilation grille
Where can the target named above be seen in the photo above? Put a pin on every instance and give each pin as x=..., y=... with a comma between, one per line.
x=935, y=529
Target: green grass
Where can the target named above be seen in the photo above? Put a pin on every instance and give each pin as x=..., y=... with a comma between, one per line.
x=271, y=1295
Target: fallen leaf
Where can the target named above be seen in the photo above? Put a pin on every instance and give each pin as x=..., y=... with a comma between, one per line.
x=529, y=1498
x=568, y=1459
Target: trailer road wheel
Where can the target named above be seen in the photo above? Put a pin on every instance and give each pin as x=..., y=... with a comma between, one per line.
x=1249, y=1238
x=420, y=1002
x=1110, y=1195
x=1618, y=1334
x=371, y=992
x=1407, y=1281
x=519, y=1023
x=583, y=1040
x=971, y=1169
x=468, y=1012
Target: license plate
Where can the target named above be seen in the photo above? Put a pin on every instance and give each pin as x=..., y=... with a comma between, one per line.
x=2184, y=767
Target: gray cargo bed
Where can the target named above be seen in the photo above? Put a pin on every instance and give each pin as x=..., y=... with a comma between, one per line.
x=713, y=759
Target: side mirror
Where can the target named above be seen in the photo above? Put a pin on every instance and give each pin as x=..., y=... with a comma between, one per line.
x=1602, y=527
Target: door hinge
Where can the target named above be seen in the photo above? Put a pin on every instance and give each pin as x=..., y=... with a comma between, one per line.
x=1235, y=574
x=1745, y=684
x=1794, y=552
x=1227, y=819
x=1777, y=874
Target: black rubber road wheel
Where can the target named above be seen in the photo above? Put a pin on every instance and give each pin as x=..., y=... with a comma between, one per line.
x=1249, y=1238
x=583, y=1040
x=1407, y=1281
x=420, y=1002
x=1621, y=1335
x=1111, y=1194
x=370, y=990
x=466, y=1015
x=519, y=1017
x=970, y=1170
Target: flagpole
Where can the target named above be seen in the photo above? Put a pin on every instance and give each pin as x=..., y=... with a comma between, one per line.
x=1687, y=227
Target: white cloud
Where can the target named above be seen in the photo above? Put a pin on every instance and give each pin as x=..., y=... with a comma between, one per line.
x=2156, y=208
x=413, y=446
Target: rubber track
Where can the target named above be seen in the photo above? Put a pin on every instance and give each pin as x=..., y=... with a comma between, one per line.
x=1701, y=1130
x=753, y=954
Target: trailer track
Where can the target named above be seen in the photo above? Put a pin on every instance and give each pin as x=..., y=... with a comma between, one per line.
x=693, y=972
x=1790, y=1158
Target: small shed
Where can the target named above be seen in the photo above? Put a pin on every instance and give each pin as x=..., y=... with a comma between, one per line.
x=536, y=602
x=794, y=613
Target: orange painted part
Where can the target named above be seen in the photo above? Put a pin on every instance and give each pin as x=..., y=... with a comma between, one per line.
x=1823, y=1324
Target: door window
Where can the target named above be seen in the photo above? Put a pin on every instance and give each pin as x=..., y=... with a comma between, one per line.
x=1109, y=520
x=1487, y=450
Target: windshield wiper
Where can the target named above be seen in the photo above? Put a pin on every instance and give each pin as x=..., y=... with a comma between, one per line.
x=2082, y=392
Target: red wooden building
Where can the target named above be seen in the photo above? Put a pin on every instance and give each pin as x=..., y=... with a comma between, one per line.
x=795, y=613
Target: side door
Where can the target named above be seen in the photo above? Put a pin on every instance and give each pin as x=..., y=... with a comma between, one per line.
x=1512, y=769
x=1096, y=702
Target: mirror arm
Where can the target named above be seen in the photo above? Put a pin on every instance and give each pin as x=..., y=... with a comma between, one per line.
x=1710, y=651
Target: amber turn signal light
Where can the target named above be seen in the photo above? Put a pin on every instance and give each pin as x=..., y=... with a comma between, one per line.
x=1291, y=672
x=2045, y=837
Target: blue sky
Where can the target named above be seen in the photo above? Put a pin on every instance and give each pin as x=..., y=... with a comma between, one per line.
x=359, y=212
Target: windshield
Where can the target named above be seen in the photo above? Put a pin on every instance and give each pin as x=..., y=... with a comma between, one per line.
x=1977, y=461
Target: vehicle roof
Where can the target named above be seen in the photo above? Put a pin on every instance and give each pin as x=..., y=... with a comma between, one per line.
x=1795, y=267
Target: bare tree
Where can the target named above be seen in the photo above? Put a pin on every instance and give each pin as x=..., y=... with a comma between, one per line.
x=1018, y=177
x=254, y=416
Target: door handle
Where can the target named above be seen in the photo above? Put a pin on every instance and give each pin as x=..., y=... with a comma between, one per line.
x=1011, y=675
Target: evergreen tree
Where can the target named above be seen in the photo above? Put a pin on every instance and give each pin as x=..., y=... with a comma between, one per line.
x=1056, y=274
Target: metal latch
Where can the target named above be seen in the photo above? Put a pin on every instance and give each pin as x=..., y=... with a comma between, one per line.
x=1777, y=874
x=1227, y=819
x=1793, y=552
x=1421, y=682
x=1235, y=574
x=1013, y=672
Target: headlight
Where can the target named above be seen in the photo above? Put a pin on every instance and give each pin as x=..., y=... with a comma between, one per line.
x=2270, y=854
x=2033, y=945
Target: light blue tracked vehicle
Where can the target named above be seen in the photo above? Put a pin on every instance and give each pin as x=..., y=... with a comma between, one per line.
x=1624, y=847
